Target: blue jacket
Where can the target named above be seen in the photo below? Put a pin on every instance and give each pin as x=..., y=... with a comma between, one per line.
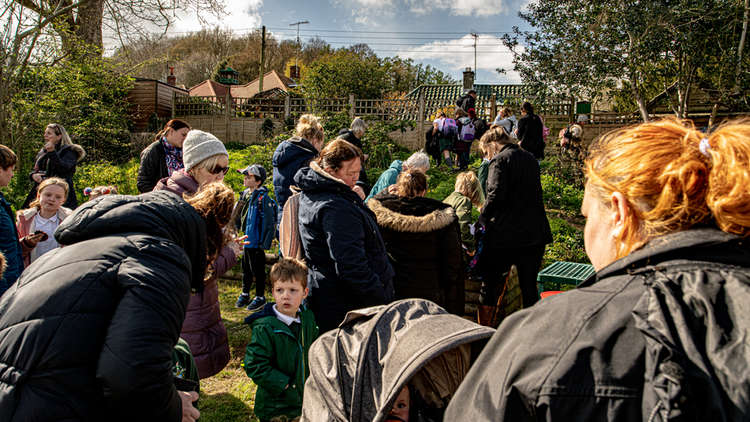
x=258, y=218
x=347, y=263
x=386, y=179
x=9, y=246
x=290, y=156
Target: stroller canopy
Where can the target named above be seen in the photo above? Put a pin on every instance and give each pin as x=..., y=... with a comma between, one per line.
x=358, y=369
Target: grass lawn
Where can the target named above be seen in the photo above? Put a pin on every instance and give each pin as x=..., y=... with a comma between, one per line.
x=229, y=396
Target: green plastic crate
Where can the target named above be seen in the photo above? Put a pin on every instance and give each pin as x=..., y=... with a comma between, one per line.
x=563, y=276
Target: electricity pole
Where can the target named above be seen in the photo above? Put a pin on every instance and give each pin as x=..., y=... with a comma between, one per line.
x=475, y=36
x=262, y=59
x=299, y=46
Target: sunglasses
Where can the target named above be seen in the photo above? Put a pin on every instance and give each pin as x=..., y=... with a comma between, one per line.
x=218, y=169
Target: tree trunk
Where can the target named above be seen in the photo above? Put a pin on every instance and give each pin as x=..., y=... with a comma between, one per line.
x=639, y=100
x=89, y=23
x=745, y=19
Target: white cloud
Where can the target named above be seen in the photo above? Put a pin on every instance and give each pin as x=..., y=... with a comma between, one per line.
x=459, y=53
x=241, y=15
x=423, y=7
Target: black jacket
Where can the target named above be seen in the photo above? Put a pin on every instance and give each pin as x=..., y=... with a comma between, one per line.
x=153, y=166
x=424, y=244
x=530, y=135
x=347, y=262
x=87, y=332
x=513, y=212
x=60, y=163
x=349, y=136
x=658, y=335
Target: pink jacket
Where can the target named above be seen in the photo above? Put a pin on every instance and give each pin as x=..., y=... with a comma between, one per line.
x=203, y=329
x=25, y=227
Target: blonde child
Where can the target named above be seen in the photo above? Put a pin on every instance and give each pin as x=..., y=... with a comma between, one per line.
x=467, y=193
x=36, y=225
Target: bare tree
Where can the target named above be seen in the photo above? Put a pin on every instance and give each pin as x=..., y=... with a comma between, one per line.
x=127, y=20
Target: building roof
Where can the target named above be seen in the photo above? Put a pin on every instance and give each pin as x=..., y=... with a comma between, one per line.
x=271, y=80
x=209, y=88
x=456, y=90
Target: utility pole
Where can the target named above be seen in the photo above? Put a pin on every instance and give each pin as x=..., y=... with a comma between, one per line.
x=299, y=46
x=262, y=59
x=475, y=36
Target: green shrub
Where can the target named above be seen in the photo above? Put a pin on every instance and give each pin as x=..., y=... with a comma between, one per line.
x=561, y=194
x=567, y=243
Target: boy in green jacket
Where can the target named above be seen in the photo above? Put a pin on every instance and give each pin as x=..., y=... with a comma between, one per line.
x=282, y=332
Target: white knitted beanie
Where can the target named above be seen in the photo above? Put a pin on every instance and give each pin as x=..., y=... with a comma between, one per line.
x=200, y=145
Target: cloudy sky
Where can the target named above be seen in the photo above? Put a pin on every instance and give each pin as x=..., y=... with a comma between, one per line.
x=434, y=32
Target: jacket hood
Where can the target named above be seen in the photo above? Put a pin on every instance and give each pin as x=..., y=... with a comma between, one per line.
x=267, y=310
x=292, y=149
x=396, y=165
x=159, y=213
x=28, y=213
x=414, y=215
x=179, y=182
x=314, y=178
x=358, y=369
x=80, y=152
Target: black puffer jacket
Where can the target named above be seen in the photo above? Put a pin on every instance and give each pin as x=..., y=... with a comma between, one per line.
x=153, y=166
x=658, y=335
x=513, y=212
x=60, y=163
x=423, y=241
x=86, y=334
x=344, y=252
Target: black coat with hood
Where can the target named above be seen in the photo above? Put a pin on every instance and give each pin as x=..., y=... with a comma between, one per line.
x=87, y=332
x=513, y=212
x=658, y=335
x=423, y=241
x=347, y=263
x=60, y=163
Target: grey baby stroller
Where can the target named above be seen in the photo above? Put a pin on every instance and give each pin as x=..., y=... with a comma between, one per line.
x=358, y=370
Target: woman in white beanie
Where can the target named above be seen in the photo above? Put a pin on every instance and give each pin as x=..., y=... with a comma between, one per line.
x=206, y=160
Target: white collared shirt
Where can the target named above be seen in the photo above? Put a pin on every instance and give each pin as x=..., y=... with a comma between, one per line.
x=286, y=319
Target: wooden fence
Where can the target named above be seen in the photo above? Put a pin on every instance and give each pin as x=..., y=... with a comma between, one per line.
x=241, y=119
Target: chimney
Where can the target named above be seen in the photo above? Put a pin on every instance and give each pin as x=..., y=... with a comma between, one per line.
x=468, y=79
x=171, y=78
x=294, y=72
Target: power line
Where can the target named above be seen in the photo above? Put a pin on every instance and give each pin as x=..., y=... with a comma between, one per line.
x=396, y=32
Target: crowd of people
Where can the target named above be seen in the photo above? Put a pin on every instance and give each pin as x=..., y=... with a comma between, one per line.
x=111, y=309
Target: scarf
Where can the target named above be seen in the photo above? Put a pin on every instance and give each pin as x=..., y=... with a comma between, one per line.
x=173, y=157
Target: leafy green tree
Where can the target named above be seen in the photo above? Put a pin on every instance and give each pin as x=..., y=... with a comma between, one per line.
x=342, y=73
x=86, y=96
x=579, y=48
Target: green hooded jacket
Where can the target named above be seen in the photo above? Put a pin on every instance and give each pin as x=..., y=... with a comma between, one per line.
x=278, y=363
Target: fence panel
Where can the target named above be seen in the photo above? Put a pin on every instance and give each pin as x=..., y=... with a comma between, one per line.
x=387, y=110
x=186, y=105
x=258, y=108
x=318, y=105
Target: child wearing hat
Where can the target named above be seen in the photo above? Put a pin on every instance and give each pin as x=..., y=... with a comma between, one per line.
x=257, y=217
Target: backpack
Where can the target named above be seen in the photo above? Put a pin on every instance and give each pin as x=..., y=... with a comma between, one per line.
x=480, y=128
x=450, y=128
x=545, y=130
x=467, y=132
x=460, y=101
x=290, y=241
x=431, y=145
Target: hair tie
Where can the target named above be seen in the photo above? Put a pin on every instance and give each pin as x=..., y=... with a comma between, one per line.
x=705, y=147
x=87, y=191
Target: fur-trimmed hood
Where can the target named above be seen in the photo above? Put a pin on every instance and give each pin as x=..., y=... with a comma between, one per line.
x=414, y=215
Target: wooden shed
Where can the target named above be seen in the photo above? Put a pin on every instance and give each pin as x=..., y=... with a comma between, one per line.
x=151, y=101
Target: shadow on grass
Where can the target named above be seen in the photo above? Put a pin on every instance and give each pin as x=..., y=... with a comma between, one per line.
x=224, y=407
